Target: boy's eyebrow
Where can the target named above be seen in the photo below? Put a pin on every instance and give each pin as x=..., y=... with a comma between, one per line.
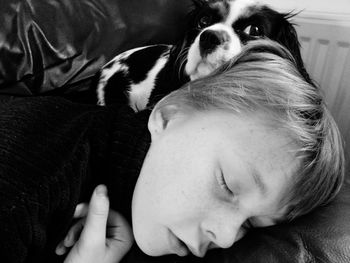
x=258, y=181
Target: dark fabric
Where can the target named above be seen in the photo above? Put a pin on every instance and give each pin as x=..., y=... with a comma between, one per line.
x=45, y=45
x=52, y=154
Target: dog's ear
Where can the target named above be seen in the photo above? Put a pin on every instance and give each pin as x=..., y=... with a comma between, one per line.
x=288, y=37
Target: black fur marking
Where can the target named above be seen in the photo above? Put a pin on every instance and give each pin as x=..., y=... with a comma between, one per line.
x=195, y=16
x=147, y=58
x=114, y=91
x=168, y=80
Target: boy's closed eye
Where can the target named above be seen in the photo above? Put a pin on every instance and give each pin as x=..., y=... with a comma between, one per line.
x=222, y=183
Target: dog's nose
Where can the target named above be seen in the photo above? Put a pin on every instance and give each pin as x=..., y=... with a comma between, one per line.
x=210, y=39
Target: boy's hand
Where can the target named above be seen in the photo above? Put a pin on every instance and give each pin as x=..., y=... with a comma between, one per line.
x=101, y=235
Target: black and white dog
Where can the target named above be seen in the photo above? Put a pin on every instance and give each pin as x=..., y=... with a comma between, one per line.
x=216, y=32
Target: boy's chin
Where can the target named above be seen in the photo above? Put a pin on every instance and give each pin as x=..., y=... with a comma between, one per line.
x=149, y=245
x=150, y=250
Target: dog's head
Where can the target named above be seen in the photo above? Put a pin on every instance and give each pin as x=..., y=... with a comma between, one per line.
x=218, y=29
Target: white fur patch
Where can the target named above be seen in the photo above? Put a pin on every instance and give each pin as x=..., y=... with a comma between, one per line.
x=198, y=66
x=237, y=8
x=139, y=93
x=108, y=71
x=193, y=59
x=105, y=75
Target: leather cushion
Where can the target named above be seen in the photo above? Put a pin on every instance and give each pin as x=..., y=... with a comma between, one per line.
x=52, y=44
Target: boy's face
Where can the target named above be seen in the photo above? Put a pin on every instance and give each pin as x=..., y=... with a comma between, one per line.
x=206, y=177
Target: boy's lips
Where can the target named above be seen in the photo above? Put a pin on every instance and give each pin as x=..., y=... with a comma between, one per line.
x=178, y=246
x=196, y=252
x=183, y=249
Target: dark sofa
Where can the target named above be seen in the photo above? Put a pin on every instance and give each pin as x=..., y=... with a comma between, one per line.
x=56, y=46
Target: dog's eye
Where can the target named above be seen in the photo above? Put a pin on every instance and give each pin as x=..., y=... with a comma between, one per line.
x=204, y=21
x=252, y=30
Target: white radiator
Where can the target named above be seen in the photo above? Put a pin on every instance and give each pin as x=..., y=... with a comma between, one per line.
x=325, y=45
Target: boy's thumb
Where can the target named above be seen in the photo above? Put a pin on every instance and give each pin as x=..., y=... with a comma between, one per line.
x=94, y=231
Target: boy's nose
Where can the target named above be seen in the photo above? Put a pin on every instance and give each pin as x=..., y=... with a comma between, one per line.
x=223, y=231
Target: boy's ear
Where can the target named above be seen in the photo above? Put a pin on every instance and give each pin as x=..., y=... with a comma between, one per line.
x=160, y=118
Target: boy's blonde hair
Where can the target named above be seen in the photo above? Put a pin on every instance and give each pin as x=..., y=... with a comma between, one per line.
x=264, y=77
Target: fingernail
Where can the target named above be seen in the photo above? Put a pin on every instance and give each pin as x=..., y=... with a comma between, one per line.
x=60, y=250
x=66, y=241
x=101, y=190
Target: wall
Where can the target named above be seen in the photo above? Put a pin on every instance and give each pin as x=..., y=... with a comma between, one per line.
x=323, y=7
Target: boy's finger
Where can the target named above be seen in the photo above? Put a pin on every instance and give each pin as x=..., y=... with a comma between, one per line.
x=61, y=249
x=119, y=228
x=71, y=237
x=74, y=233
x=94, y=232
x=81, y=210
x=121, y=236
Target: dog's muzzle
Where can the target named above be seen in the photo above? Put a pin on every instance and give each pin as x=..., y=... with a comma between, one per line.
x=210, y=39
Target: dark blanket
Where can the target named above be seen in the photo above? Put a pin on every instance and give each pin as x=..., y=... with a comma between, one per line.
x=52, y=154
